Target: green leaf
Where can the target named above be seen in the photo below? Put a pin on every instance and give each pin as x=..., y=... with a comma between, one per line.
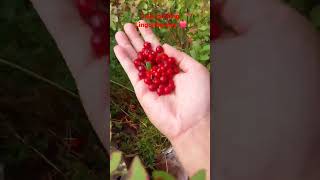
x=137, y=171
x=161, y=175
x=315, y=16
x=204, y=27
x=193, y=53
x=115, y=161
x=200, y=175
x=206, y=47
x=148, y=65
x=204, y=57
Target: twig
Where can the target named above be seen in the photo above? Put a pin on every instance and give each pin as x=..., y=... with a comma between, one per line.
x=165, y=156
x=121, y=85
x=119, y=108
x=38, y=76
x=38, y=153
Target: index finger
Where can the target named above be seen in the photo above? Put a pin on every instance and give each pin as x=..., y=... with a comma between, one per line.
x=148, y=35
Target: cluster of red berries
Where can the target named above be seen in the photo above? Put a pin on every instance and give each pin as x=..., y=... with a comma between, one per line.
x=157, y=69
x=96, y=17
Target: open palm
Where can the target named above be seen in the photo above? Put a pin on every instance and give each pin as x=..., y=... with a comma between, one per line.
x=179, y=111
x=72, y=36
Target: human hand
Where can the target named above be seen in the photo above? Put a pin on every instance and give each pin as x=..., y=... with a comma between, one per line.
x=184, y=115
x=72, y=36
x=179, y=111
x=266, y=93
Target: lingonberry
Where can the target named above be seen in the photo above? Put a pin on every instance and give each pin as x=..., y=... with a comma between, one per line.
x=163, y=68
x=137, y=63
x=98, y=21
x=160, y=91
x=140, y=56
x=142, y=74
x=176, y=70
x=152, y=87
x=150, y=57
x=165, y=64
x=157, y=74
x=147, y=45
x=167, y=90
x=159, y=49
x=171, y=60
x=163, y=79
x=169, y=72
x=165, y=57
x=156, y=82
x=141, y=68
x=148, y=81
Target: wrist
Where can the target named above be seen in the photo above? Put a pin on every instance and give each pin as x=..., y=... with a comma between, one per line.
x=193, y=147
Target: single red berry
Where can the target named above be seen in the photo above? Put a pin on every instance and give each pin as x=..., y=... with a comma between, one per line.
x=152, y=87
x=162, y=68
x=164, y=57
x=170, y=73
x=163, y=79
x=158, y=59
x=159, y=49
x=146, y=53
x=137, y=63
x=176, y=70
x=140, y=56
x=156, y=82
x=141, y=68
x=157, y=74
x=165, y=64
x=167, y=90
x=99, y=44
x=86, y=7
x=171, y=60
x=148, y=81
x=171, y=87
x=98, y=21
x=150, y=57
x=142, y=74
x=154, y=69
x=147, y=45
x=160, y=90
x=149, y=75
x=171, y=84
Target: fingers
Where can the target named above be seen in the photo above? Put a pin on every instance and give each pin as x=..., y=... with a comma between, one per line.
x=124, y=42
x=72, y=37
x=65, y=25
x=134, y=36
x=185, y=62
x=127, y=64
x=148, y=35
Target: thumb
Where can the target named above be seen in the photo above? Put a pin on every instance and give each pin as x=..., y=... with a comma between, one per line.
x=243, y=15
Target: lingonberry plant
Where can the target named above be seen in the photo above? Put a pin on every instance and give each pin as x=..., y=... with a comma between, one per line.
x=94, y=14
x=157, y=69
